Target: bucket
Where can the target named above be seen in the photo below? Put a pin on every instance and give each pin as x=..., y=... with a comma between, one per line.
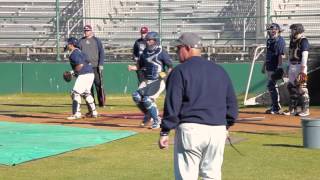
x=311, y=132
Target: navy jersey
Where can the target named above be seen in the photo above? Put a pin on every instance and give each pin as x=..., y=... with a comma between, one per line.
x=275, y=48
x=77, y=57
x=154, y=62
x=138, y=47
x=296, y=49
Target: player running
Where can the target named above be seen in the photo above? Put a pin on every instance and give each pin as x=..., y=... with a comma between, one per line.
x=152, y=63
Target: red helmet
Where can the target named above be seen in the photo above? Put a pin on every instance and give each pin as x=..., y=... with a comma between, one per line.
x=144, y=30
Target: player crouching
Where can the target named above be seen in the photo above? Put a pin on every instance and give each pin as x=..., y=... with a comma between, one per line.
x=82, y=70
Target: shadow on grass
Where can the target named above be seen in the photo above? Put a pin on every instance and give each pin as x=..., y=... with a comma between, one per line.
x=37, y=105
x=28, y=116
x=284, y=134
x=92, y=124
x=283, y=145
x=268, y=124
x=251, y=112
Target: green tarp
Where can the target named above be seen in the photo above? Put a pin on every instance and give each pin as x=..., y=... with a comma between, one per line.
x=21, y=142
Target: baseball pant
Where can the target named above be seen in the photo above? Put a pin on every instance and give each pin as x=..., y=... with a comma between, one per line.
x=82, y=87
x=198, y=151
x=98, y=86
x=274, y=92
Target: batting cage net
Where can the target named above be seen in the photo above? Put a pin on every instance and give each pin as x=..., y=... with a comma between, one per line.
x=231, y=30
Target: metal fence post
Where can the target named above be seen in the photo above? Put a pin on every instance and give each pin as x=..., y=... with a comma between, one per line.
x=268, y=11
x=58, y=30
x=160, y=21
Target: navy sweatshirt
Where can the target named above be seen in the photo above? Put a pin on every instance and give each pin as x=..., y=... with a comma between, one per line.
x=199, y=91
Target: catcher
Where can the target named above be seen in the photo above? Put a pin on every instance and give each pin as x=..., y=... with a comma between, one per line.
x=297, y=72
x=153, y=62
x=273, y=65
x=82, y=70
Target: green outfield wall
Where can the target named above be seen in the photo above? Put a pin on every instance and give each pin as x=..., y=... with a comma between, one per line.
x=47, y=78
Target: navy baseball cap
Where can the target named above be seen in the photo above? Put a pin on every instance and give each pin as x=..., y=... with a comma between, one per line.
x=87, y=28
x=188, y=39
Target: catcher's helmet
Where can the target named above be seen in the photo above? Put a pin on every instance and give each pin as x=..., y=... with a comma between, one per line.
x=144, y=30
x=297, y=27
x=153, y=35
x=73, y=41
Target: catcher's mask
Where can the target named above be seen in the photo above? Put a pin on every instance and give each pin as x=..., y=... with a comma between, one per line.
x=152, y=36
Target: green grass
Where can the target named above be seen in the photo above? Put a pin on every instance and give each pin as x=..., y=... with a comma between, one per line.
x=267, y=156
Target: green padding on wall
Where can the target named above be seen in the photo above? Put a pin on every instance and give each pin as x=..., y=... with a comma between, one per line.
x=47, y=77
x=10, y=78
x=239, y=74
x=21, y=142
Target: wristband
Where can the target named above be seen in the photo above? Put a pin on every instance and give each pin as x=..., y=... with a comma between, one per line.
x=164, y=133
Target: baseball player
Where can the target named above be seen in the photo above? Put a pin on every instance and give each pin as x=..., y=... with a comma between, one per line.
x=82, y=70
x=152, y=63
x=273, y=62
x=298, y=57
x=138, y=47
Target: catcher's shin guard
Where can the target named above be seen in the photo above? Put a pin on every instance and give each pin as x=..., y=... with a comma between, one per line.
x=90, y=102
x=137, y=98
x=294, y=96
x=152, y=109
x=274, y=94
x=305, y=100
x=76, y=101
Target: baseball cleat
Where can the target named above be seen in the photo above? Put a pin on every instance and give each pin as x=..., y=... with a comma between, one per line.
x=290, y=113
x=74, y=117
x=304, y=113
x=91, y=115
x=270, y=111
x=155, y=126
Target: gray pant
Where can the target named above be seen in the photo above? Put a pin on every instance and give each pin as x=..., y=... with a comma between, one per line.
x=198, y=151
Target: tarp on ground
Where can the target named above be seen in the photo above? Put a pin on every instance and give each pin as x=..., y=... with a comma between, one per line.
x=21, y=142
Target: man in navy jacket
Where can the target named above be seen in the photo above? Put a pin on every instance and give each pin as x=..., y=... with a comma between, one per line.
x=200, y=105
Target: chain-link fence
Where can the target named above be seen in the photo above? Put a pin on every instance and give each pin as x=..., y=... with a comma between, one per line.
x=230, y=29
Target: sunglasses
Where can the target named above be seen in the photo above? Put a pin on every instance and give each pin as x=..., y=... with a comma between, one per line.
x=177, y=48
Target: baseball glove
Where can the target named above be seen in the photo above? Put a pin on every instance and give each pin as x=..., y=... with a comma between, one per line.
x=278, y=74
x=301, y=79
x=67, y=76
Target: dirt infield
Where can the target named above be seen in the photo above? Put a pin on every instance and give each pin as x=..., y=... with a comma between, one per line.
x=250, y=120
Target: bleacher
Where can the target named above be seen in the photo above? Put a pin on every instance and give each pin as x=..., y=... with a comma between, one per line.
x=30, y=22
x=305, y=12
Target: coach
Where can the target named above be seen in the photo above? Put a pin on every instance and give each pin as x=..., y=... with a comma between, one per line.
x=93, y=47
x=200, y=103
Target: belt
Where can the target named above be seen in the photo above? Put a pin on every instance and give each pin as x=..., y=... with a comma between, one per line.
x=295, y=62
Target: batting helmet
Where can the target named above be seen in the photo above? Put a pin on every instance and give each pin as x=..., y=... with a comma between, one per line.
x=297, y=27
x=274, y=26
x=153, y=35
x=144, y=30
